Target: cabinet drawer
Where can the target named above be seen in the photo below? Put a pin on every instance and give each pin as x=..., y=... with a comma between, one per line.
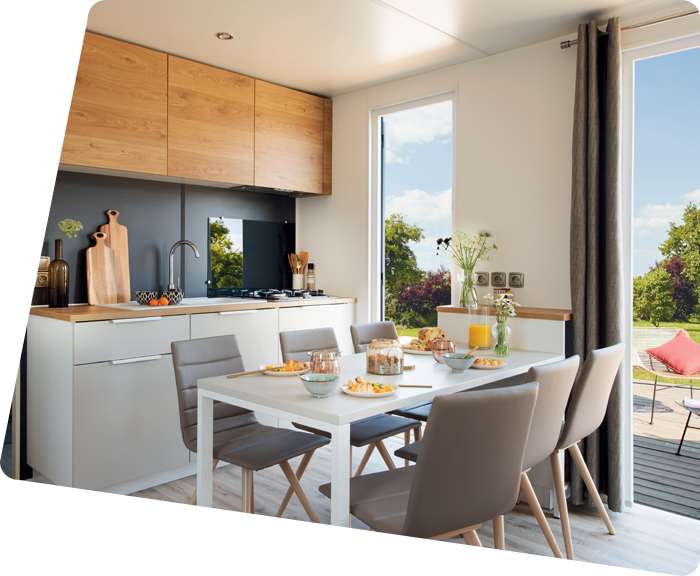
x=126, y=422
x=127, y=338
x=255, y=330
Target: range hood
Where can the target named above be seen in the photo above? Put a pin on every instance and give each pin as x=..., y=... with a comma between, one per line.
x=265, y=190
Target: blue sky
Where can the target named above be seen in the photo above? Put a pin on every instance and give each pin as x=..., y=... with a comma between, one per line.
x=666, y=148
x=419, y=174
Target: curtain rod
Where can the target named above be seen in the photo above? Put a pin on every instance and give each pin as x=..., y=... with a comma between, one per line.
x=570, y=43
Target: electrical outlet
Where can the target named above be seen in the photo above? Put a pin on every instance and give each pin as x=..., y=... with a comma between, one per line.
x=516, y=279
x=498, y=279
x=42, y=280
x=482, y=278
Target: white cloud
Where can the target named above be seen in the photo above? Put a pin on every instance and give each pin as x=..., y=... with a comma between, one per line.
x=657, y=216
x=692, y=196
x=392, y=158
x=419, y=206
x=417, y=126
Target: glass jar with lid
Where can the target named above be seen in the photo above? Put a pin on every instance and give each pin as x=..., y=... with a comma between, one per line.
x=385, y=357
x=324, y=362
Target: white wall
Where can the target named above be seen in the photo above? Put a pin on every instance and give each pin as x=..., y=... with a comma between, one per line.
x=513, y=170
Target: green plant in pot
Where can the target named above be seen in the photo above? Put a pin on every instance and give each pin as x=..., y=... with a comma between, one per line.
x=58, y=269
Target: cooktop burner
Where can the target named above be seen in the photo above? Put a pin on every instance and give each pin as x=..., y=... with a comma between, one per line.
x=269, y=294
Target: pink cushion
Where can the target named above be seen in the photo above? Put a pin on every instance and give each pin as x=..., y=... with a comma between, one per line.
x=680, y=354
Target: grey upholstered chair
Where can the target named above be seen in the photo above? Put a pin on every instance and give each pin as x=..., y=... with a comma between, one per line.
x=589, y=402
x=555, y=381
x=363, y=334
x=238, y=436
x=370, y=432
x=464, y=477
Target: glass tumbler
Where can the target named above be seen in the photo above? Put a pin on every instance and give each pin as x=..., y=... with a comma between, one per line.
x=440, y=347
x=479, y=327
x=324, y=362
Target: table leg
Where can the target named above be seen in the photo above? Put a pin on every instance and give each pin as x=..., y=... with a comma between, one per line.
x=205, y=446
x=340, y=476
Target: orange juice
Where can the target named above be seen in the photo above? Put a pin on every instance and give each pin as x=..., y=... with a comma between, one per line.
x=479, y=335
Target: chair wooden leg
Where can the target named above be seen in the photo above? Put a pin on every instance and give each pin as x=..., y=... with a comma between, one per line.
x=432, y=559
x=558, y=475
x=298, y=490
x=588, y=479
x=290, y=491
x=247, y=483
x=417, y=432
x=407, y=549
x=365, y=459
x=185, y=518
x=406, y=442
x=526, y=487
x=477, y=550
x=499, y=533
x=363, y=551
x=385, y=454
x=420, y=556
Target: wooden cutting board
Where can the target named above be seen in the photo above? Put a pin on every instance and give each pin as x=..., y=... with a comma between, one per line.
x=118, y=241
x=101, y=279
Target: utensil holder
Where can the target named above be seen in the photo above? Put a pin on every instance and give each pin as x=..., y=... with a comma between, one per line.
x=297, y=281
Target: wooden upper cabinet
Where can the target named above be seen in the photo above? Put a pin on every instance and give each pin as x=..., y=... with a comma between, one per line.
x=288, y=139
x=118, y=115
x=211, y=121
x=327, y=146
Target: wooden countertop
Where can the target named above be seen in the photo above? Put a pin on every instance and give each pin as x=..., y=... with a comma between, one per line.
x=85, y=313
x=521, y=312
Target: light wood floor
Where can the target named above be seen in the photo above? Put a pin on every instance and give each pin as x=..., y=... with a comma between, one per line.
x=127, y=536
x=663, y=479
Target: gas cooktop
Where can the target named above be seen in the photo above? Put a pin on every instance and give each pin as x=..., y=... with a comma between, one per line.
x=268, y=294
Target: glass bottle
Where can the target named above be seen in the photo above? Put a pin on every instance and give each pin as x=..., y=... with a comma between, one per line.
x=311, y=278
x=58, y=279
x=385, y=356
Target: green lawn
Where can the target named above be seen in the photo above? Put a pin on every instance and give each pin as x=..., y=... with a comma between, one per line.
x=413, y=332
x=693, y=329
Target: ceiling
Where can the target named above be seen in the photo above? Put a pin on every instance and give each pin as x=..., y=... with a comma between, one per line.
x=332, y=47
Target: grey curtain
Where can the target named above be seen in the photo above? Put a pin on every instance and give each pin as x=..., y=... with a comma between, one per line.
x=596, y=243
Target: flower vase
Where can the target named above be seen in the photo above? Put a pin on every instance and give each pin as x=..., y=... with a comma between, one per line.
x=468, y=296
x=58, y=279
x=500, y=331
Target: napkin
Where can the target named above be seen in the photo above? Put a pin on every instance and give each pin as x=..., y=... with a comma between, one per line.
x=691, y=403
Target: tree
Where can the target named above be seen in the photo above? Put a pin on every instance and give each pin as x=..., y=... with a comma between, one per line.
x=417, y=304
x=683, y=292
x=226, y=261
x=684, y=242
x=400, y=261
x=652, y=297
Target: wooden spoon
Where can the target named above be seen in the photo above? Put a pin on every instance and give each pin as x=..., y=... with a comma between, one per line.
x=294, y=263
x=304, y=260
x=468, y=353
x=289, y=257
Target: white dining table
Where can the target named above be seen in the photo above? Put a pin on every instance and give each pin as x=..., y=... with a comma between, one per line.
x=287, y=399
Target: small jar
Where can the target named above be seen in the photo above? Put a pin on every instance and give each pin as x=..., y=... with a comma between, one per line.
x=324, y=362
x=440, y=347
x=385, y=357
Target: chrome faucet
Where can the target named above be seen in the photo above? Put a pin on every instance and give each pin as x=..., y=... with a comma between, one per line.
x=171, y=286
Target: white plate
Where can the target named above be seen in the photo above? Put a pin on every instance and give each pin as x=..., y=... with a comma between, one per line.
x=418, y=352
x=271, y=373
x=344, y=388
x=480, y=367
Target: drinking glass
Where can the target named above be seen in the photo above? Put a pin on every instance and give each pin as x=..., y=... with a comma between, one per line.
x=440, y=347
x=324, y=362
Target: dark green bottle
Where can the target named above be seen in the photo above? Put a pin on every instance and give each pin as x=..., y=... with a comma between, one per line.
x=58, y=279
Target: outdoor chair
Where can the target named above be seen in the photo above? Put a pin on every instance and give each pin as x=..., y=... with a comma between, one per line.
x=650, y=337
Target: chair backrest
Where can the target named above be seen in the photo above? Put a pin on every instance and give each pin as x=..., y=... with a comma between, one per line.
x=645, y=337
x=297, y=343
x=470, y=460
x=589, y=400
x=363, y=334
x=204, y=358
x=555, y=383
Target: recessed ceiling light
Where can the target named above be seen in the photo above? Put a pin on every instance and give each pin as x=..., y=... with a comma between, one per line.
x=224, y=36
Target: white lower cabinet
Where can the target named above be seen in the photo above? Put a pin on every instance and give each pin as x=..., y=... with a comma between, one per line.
x=125, y=421
x=308, y=317
x=255, y=330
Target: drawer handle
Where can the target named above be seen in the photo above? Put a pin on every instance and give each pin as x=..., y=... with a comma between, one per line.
x=129, y=320
x=133, y=360
x=321, y=306
x=229, y=313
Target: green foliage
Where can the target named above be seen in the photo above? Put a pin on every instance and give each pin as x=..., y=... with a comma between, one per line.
x=400, y=261
x=226, y=260
x=652, y=297
x=70, y=228
x=684, y=241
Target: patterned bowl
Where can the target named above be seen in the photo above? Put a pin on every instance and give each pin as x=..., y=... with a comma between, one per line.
x=173, y=296
x=319, y=385
x=458, y=364
x=143, y=297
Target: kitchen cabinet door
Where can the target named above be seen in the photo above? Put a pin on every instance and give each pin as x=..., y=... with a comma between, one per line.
x=118, y=115
x=288, y=139
x=307, y=317
x=255, y=330
x=210, y=123
x=126, y=422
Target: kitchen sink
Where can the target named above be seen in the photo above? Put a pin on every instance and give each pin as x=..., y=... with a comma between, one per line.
x=186, y=303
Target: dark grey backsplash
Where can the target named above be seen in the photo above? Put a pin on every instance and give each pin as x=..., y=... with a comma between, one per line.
x=156, y=215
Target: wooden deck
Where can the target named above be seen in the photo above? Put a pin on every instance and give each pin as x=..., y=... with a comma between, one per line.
x=661, y=478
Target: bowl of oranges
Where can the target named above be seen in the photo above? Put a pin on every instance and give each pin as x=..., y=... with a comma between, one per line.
x=144, y=297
